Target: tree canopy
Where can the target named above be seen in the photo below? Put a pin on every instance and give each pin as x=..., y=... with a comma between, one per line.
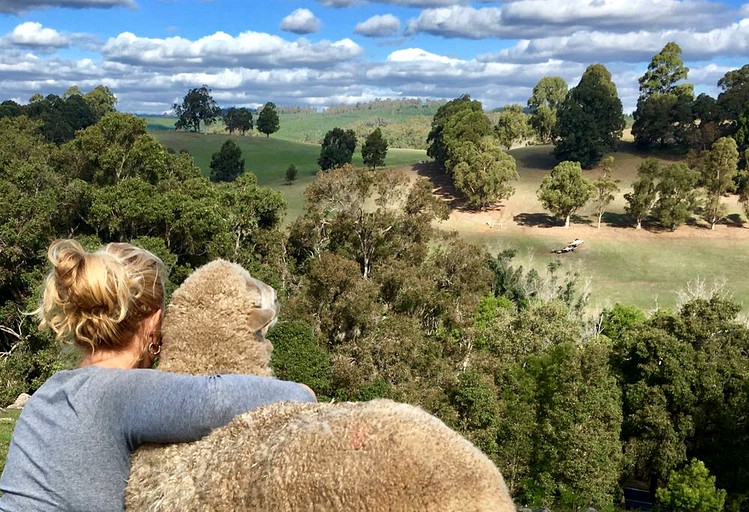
x=663, y=107
x=564, y=190
x=238, y=119
x=374, y=150
x=267, y=119
x=337, y=148
x=548, y=94
x=198, y=106
x=482, y=171
x=227, y=163
x=590, y=119
x=512, y=126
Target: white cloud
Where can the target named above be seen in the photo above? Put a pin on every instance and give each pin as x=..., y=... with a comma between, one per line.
x=301, y=21
x=248, y=49
x=537, y=18
x=386, y=25
x=33, y=34
x=744, y=11
x=425, y=3
x=457, y=21
x=337, y=3
x=586, y=47
x=20, y=6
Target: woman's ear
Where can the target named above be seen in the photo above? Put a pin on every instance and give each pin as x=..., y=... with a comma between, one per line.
x=152, y=323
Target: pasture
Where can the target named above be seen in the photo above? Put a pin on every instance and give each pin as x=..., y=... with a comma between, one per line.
x=269, y=157
x=644, y=267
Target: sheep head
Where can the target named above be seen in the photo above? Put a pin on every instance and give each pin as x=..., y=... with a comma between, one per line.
x=217, y=321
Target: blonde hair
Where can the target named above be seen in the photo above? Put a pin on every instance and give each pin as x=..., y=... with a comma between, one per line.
x=97, y=300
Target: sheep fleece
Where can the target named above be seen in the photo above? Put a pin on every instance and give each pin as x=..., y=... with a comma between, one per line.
x=370, y=456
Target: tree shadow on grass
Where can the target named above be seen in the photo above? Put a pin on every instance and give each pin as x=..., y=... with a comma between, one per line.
x=734, y=220
x=616, y=220
x=542, y=220
x=442, y=185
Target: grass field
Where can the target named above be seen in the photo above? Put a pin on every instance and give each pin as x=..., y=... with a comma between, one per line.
x=644, y=267
x=310, y=127
x=7, y=423
x=268, y=158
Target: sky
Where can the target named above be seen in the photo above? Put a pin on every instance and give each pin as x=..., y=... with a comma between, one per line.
x=150, y=53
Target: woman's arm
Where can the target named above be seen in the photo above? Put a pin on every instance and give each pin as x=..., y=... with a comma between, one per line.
x=162, y=407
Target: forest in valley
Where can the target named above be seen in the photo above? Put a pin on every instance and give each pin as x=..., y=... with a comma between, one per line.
x=378, y=302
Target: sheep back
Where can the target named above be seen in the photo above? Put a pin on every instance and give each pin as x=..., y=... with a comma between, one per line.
x=373, y=456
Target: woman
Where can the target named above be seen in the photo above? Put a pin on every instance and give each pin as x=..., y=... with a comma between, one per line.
x=72, y=444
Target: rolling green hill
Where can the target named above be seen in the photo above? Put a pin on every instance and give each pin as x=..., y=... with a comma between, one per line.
x=268, y=158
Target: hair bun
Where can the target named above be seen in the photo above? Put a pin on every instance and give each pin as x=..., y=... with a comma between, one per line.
x=97, y=299
x=68, y=259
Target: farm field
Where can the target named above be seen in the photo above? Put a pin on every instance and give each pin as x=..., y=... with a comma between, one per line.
x=268, y=158
x=642, y=267
x=622, y=264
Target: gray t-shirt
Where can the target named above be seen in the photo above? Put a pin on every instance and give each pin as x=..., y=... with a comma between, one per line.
x=71, y=447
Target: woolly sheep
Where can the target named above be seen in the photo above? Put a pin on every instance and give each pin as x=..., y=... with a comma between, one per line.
x=371, y=456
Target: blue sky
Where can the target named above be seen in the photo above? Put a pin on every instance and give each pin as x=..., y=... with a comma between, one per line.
x=323, y=52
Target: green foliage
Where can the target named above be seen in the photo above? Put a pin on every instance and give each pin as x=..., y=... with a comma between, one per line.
x=227, y=163
x=662, y=103
x=691, y=489
x=735, y=92
x=198, y=106
x=113, y=182
x=644, y=194
x=60, y=117
x=298, y=357
x=512, y=126
x=474, y=399
x=615, y=322
x=482, y=171
x=719, y=169
x=564, y=190
x=291, y=173
x=578, y=415
x=337, y=148
x=238, y=119
x=267, y=119
x=677, y=196
x=665, y=69
x=374, y=150
x=437, y=139
x=101, y=100
x=604, y=188
x=466, y=126
x=590, y=119
x=547, y=95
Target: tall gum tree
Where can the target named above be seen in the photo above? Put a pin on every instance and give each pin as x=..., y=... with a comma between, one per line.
x=197, y=107
x=659, y=107
x=590, y=119
x=547, y=95
x=718, y=172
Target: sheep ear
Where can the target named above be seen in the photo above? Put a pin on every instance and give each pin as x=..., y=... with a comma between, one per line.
x=261, y=318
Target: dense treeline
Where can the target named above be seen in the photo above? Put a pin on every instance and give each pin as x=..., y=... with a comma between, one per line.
x=113, y=182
